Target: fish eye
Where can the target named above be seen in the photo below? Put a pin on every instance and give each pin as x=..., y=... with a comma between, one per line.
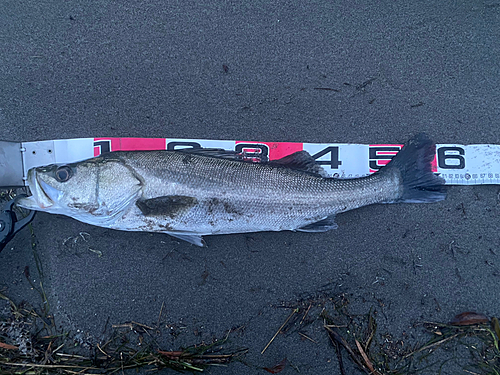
x=63, y=173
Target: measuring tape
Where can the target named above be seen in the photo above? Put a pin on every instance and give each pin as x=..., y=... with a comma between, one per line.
x=457, y=164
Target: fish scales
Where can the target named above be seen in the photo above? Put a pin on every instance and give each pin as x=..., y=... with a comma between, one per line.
x=251, y=196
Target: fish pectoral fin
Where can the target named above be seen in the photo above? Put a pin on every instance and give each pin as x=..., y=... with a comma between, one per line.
x=195, y=239
x=301, y=161
x=169, y=205
x=29, y=203
x=323, y=225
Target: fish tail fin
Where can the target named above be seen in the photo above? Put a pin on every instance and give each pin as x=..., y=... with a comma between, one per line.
x=418, y=183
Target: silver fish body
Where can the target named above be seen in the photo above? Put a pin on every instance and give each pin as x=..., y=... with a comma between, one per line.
x=189, y=194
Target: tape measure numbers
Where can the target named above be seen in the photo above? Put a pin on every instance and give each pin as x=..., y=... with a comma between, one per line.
x=457, y=164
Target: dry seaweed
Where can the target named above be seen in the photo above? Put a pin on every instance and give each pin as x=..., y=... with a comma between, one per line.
x=30, y=344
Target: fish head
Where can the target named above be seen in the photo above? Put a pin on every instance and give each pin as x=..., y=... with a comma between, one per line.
x=95, y=190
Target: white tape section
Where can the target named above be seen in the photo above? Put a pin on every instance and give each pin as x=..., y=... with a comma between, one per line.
x=457, y=164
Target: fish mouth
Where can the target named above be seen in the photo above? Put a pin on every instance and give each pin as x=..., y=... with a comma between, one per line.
x=43, y=196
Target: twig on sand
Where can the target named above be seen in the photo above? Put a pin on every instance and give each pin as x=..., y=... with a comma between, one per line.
x=365, y=357
x=433, y=345
x=307, y=337
x=305, y=314
x=279, y=330
x=159, y=316
x=337, y=340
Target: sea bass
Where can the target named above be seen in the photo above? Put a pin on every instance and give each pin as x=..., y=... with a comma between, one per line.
x=191, y=193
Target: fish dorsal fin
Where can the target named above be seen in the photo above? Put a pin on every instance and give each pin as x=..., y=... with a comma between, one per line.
x=222, y=154
x=323, y=225
x=302, y=161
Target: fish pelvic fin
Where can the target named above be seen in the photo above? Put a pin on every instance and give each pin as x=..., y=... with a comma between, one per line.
x=418, y=183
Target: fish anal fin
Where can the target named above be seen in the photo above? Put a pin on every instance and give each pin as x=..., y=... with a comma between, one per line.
x=194, y=239
x=323, y=225
x=169, y=205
